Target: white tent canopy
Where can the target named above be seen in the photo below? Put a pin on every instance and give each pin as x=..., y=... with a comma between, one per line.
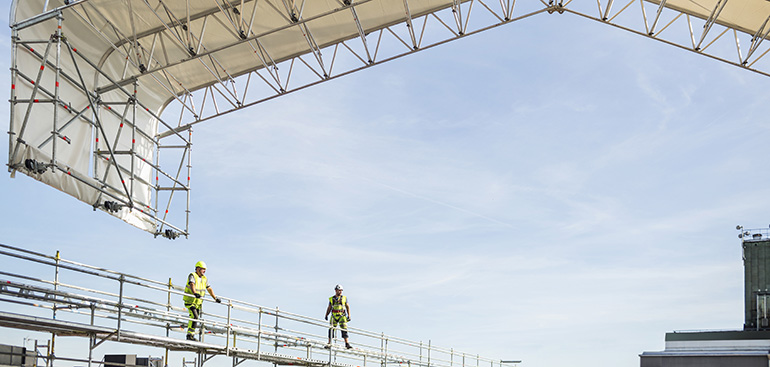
x=92, y=78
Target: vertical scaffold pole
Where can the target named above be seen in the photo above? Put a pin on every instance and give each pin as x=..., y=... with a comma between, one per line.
x=229, y=327
x=14, y=77
x=259, y=334
x=189, y=188
x=120, y=303
x=49, y=360
x=92, y=342
x=132, y=156
x=276, y=333
x=55, y=128
x=420, y=352
x=168, y=325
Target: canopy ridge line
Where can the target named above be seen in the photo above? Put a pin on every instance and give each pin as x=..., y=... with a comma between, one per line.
x=409, y=24
x=720, y=5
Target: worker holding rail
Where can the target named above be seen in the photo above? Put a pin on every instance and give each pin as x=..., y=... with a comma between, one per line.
x=340, y=310
x=193, y=298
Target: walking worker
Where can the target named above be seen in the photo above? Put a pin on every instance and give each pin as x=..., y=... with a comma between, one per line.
x=193, y=298
x=340, y=310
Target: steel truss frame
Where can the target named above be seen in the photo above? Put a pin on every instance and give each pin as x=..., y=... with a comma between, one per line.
x=125, y=308
x=147, y=60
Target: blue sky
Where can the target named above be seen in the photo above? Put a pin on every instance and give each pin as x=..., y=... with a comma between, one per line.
x=554, y=190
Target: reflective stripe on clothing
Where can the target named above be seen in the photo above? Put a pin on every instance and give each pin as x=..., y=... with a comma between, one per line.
x=201, y=283
x=340, y=320
x=338, y=311
x=338, y=303
x=195, y=313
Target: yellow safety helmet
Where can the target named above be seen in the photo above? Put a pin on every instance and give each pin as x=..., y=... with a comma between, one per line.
x=200, y=264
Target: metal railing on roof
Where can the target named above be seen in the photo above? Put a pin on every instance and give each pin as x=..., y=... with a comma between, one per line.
x=757, y=234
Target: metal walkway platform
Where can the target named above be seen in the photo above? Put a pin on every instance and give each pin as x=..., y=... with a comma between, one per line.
x=133, y=310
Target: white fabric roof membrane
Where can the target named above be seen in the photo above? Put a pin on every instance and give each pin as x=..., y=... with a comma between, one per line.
x=748, y=16
x=160, y=50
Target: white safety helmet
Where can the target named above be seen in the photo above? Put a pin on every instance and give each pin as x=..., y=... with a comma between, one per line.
x=338, y=287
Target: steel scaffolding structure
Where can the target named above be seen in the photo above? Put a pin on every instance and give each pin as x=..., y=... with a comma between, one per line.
x=196, y=60
x=131, y=309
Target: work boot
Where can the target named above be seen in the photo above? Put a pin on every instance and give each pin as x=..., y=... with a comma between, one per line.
x=347, y=345
x=191, y=337
x=328, y=346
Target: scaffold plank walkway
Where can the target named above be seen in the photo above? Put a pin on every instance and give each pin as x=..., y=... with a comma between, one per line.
x=140, y=311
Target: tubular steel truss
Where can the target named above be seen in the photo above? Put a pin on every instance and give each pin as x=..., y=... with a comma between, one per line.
x=128, y=309
x=239, y=64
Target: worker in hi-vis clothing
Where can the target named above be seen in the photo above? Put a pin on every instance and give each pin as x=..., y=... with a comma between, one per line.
x=340, y=310
x=193, y=299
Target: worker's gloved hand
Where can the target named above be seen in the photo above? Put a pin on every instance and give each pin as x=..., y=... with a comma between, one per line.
x=197, y=295
x=348, y=318
x=219, y=300
x=326, y=317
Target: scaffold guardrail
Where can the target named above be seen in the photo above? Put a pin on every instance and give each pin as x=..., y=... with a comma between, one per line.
x=105, y=305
